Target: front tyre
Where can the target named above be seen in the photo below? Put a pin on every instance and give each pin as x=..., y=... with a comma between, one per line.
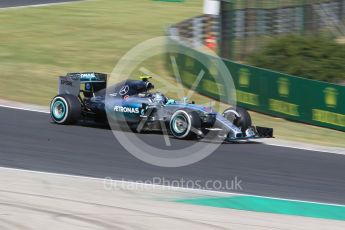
x=239, y=117
x=65, y=109
x=184, y=125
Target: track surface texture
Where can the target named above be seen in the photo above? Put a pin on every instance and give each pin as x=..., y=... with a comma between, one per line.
x=15, y=3
x=28, y=140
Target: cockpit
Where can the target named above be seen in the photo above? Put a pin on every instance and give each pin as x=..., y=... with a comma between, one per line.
x=159, y=98
x=137, y=88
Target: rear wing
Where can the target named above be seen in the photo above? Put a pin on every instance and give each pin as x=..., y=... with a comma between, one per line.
x=69, y=85
x=93, y=82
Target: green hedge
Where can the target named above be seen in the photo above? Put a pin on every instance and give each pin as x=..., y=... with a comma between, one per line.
x=314, y=57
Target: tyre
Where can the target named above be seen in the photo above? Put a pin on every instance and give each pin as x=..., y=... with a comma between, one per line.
x=184, y=125
x=239, y=117
x=65, y=109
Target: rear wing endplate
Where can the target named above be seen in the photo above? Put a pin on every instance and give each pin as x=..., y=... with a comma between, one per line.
x=69, y=85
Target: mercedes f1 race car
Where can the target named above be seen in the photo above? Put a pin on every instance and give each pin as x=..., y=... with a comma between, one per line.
x=130, y=103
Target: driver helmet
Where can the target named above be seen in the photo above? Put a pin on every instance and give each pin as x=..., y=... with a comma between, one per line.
x=159, y=98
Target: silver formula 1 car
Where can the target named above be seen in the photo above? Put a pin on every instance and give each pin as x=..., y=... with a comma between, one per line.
x=132, y=104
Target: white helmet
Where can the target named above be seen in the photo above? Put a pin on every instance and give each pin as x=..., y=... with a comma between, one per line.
x=159, y=98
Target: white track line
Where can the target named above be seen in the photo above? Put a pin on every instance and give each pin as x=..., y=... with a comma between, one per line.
x=339, y=151
x=41, y=5
x=25, y=109
x=333, y=150
x=165, y=187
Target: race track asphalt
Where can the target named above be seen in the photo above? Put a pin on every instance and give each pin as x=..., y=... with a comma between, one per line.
x=15, y=3
x=28, y=140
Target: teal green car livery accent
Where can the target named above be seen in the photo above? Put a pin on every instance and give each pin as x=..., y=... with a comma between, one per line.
x=276, y=206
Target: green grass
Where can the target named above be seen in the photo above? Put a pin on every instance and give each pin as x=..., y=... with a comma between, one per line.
x=39, y=44
x=293, y=131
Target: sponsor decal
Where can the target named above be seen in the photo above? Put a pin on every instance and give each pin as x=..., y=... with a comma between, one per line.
x=329, y=117
x=283, y=87
x=87, y=86
x=244, y=77
x=124, y=109
x=189, y=62
x=124, y=90
x=331, y=97
x=113, y=94
x=247, y=98
x=74, y=78
x=283, y=107
x=213, y=69
x=87, y=77
x=66, y=82
x=331, y=101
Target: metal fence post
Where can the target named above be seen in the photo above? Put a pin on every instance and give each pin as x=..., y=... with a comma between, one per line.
x=227, y=29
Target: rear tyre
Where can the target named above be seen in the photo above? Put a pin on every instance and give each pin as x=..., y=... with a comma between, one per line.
x=65, y=109
x=185, y=125
x=239, y=117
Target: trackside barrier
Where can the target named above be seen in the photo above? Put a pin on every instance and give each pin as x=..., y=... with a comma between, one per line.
x=270, y=92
